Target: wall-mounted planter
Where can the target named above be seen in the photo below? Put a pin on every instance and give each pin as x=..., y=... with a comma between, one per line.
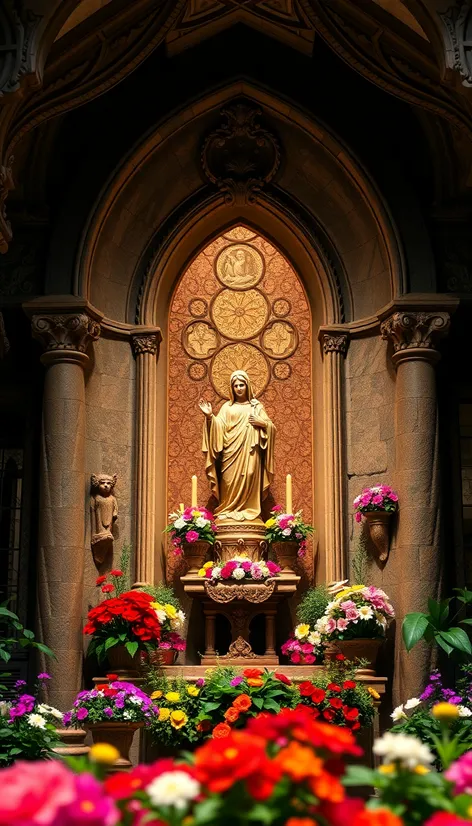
x=378, y=523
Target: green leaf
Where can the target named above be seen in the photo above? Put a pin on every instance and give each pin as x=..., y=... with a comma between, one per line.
x=414, y=626
x=258, y=702
x=443, y=644
x=464, y=595
x=439, y=612
x=4, y=655
x=210, y=707
x=261, y=813
x=360, y=776
x=207, y=810
x=4, y=612
x=28, y=634
x=110, y=642
x=458, y=639
x=131, y=648
x=271, y=705
x=45, y=649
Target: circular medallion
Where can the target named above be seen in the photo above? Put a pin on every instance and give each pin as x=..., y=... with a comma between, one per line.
x=279, y=339
x=239, y=266
x=240, y=356
x=200, y=339
x=239, y=315
x=281, y=370
x=198, y=307
x=197, y=370
x=281, y=307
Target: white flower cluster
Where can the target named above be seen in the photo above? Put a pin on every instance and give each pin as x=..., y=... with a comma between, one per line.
x=408, y=752
x=175, y=788
x=36, y=720
x=398, y=713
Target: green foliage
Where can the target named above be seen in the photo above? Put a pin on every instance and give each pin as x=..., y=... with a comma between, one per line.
x=123, y=584
x=438, y=626
x=13, y=634
x=163, y=594
x=21, y=741
x=425, y=727
x=313, y=605
x=359, y=562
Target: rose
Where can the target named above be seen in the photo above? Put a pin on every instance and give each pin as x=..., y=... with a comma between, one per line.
x=191, y=536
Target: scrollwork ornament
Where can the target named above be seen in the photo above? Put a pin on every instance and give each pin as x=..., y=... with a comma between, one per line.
x=239, y=648
x=335, y=343
x=250, y=593
x=65, y=332
x=415, y=330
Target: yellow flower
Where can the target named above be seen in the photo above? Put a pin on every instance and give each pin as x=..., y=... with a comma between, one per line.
x=387, y=768
x=419, y=769
x=208, y=565
x=170, y=610
x=164, y=714
x=104, y=753
x=172, y=696
x=155, y=695
x=373, y=693
x=178, y=718
x=157, y=606
x=201, y=572
x=347, y=591
x=302, y=630
x=193, y=690
x=445, y=711
x=196, y=514
x=270, y=522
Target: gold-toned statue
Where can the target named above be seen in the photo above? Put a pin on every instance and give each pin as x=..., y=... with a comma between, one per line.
x=238, y=444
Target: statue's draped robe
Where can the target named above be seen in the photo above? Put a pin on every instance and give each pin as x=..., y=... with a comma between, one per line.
x=239, y=459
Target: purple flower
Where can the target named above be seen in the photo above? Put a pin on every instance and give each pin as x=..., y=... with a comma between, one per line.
x=18, y=711
x=82, y=713
x=108, y=711
x=427, y=693
x=28, y=701
x=236, y=681
x=44, y=676
x=20, y=683
x=67, y=717
x=119, y=701
x=200, y=682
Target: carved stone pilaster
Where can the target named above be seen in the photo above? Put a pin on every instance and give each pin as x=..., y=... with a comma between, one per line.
x=335, y=343
x=65, y=335
x=457, y=22
x=146, y=344
x=415, y=334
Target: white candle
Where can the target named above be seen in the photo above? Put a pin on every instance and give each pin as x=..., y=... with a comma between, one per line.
x=288, y=494
x=194, y=491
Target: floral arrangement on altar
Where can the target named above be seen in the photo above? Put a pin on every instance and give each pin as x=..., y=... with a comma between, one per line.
x=191, y=525
x=128, y=620
x=357, y=612
x=287, y=527
x=27, y=727
x=114, y=701
x=283, y=769
x=377, y=498
x=336, y=696
x=239, y=568
x=306, y=646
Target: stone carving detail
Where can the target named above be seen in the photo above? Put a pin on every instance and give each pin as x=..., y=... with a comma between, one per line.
x=103, y=515
x=250, y=593
x=239, y=266
x=282, y=370
x=146, y=344
x=197, y=370
x=279, y=340
x=335, y=344
x=200, y=340
x=457, y=21
x=420, y=330
x=281, y=307
x=240, y=356
x=239, y=315
x=239, y=648
x=198, y=307
x=240, y=157
x=65, y=332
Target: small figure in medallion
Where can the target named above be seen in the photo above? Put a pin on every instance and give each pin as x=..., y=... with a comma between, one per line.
x=238, y=444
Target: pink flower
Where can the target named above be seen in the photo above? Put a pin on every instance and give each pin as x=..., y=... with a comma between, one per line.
x=91, y=806
x=460, y=773
x=342, y=624
x=228, y=569
x=273, y=568
x=208, y=573
x=446, y=819
x=330, y=626
x=358, y=516
x=246, y=566
x=277, y=509
x=352, y=614
x=32, y=793
x=365, y=499
x=295, y=657
x=347, y=604
x=256, y=571
x=310, y=659
x=307, y=648
x=191, y=536
x=377, y=499
x=393, y=497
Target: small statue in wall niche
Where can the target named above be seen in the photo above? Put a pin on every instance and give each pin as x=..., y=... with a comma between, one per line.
x=103, y=515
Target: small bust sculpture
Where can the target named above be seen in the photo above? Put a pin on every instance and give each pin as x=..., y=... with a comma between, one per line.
x=103, y=514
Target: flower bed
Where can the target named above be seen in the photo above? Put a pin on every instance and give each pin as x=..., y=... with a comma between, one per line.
x=27, y=726
x=239, y=568
x=114, y=701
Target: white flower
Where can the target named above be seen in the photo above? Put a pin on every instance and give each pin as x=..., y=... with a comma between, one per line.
x=175, y=788
x=127, y=715
x=464, y=711
x=401, y=748
x=177, y=622
x=365, y=612
x=300, y=631
x=54, y=712
x=201, y=522
x=215, y=574
x=321, y=625
x=4, y=708
x=412, y=703
x=180, y=523
x=239, y=573
x=380, y=619
x=137, y=701
x=36, y=720
x=314, y=638
x=398, y=714
x=331, y=605
x=161, y=615
x=286, y=532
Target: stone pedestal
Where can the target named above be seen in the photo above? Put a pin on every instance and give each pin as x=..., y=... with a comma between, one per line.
x=234, y=538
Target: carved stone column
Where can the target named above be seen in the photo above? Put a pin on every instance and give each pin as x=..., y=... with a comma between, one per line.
x=65, y=335
x=414, y=567
x=146, y=349
x=334, y=344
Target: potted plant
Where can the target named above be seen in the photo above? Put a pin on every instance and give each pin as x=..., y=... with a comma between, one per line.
x=113, y=711
x=336, y=697
x=377, y=505
x=357, y=621
x=193, y=532
x=287, y=535
x=240, y=569
x=27, y=727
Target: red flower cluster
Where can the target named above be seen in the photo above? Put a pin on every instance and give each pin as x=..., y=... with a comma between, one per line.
x=133, y=608
x=333, y=704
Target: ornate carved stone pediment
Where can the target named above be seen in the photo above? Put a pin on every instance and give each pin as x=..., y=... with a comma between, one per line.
x=241, y=156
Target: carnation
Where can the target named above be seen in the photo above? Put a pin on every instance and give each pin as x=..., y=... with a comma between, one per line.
x=408, y=751
x=175, y=788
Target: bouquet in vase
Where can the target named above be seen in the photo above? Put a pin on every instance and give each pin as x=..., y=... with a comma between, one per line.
x=305, y=646
x=377, y=498
x=357, y=612
x=287, y=527
x=114, y=701
x=191, y=525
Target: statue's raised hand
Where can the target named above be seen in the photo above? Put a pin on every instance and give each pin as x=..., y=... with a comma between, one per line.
x=206, y=408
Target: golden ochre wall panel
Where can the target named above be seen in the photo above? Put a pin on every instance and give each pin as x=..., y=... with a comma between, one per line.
x=240, y=304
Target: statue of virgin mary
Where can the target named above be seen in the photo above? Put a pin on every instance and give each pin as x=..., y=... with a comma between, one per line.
x=238, y=444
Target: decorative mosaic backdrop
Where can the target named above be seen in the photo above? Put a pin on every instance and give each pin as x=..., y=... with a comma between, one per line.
x=240, y=305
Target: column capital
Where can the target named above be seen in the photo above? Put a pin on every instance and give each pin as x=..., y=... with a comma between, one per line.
x=334, y=340
x=415, y=325
x=146, y=342
x=65, y=326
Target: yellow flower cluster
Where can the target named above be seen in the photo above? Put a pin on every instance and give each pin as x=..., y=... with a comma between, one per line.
x=169, y=610
x=270, y=522
x=348, y=591
x=203, y=570
x=176, y=717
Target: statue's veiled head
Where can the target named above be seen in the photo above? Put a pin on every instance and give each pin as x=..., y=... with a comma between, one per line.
x=240, y=385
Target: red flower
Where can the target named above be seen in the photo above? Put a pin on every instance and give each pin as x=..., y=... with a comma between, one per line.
x=349, y=684
x=306, y=689
x=238, y=756
x=335, y=702
x=116, y=572
x=100, y=580
x=355, y=726
x=221, y=731
x=253, y=673
x=329, y=714
x=283, y=679
x=318, y=695
x=333, y=687
x=340, y=657
x=384, y=817
x=438, y=819
x=112, y=677
x=299, y=724
x=107, y=589
x=340, y=814
x=350, y=713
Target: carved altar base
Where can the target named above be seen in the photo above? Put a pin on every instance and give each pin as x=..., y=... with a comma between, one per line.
x=239, y=603
x=234, y=538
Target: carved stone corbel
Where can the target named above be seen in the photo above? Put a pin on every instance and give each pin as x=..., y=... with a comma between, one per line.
x=415, y=334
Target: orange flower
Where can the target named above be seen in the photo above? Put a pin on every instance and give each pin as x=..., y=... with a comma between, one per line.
x=231, y=715
x=299, y=762
x=254, y=682
x=204, y=725
x=377, y=817
x=252, y=672
x=243, y=702
x=220, y=763
x=327, y=787
x=300, y=821
x=221, y=730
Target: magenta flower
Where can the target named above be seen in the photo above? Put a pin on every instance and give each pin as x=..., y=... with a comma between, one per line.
x=191, y=536
x=460, y=773
x=246, y=566
x=277, y=509
x=236, y=681
x=358, y=516
x=44, y=676
x=81, y=713
x=377, y=499
x=91, y=805
x=273, y=568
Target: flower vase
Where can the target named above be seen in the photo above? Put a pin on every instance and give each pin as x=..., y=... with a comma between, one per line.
x=120, y=735
x=122, y=663
x=286, y=554
x=194, y=554
x=379, y=528
x=72, y=742
x=361, y=649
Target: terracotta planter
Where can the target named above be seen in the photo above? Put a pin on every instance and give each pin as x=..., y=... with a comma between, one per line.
x=122, y=663
x=362, y=649
x=72, y=742
x=195, y=553
x=119, y=735
x=378, y=523
x=163, y=656
x=286, y=554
